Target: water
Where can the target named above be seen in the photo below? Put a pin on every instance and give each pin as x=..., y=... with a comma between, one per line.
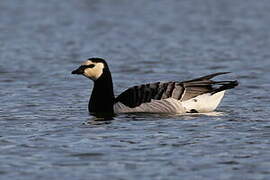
x=46, y=131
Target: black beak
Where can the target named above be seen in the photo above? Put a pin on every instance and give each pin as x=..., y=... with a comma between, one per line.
x=80, y=70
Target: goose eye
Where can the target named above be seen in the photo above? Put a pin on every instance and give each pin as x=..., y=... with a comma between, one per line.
x=91, y=66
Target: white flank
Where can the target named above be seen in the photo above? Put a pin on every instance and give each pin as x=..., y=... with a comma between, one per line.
x=169, y=105
x=202, y=104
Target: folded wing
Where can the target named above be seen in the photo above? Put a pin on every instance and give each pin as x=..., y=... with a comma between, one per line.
x=182, y=91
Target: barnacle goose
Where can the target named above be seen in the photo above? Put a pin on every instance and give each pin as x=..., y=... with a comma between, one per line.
x=197, y=95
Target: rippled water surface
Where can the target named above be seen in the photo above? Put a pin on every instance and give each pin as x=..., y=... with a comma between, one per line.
x=46, y=131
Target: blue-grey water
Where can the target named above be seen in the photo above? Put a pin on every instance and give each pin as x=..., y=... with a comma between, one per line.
x=46, y=131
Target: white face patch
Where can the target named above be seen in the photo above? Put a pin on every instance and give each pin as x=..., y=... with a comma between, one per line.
x=95, y=72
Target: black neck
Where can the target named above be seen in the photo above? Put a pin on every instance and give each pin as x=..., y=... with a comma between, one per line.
x=102, y=98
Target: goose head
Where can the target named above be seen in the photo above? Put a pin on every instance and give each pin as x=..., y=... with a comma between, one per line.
x=93, y=68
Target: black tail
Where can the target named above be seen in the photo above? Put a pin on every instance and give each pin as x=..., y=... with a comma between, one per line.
x=224, y=85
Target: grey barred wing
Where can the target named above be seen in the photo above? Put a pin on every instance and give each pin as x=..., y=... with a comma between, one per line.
x=137, y=95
